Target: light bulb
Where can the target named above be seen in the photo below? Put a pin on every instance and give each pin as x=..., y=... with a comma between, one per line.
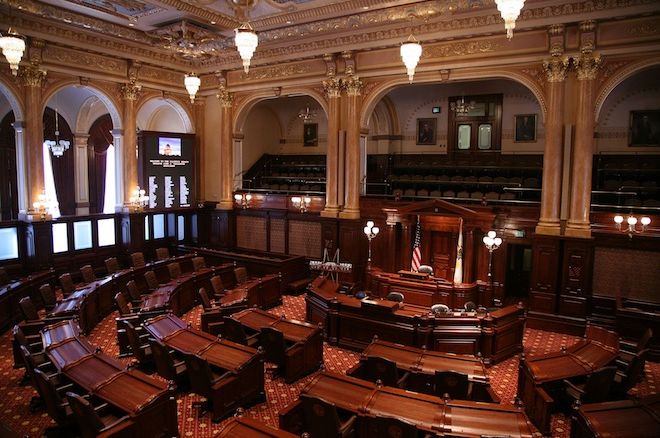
x=238, y=197
x=646, y=220
x=366, y=230
x=632, y=220
x=370, y=224
x=375, y=230
x=248, y=197
x=492, y=234
x=487, y=241
x=498, y=241
x=618, y=219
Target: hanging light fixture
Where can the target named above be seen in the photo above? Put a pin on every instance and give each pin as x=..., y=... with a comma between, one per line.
x=192, y=83
x=12, y=46
x=411, y=51
x=510, y=10
x=57, y=146
x=461, y=107
x=306, y=115
x=246, y=42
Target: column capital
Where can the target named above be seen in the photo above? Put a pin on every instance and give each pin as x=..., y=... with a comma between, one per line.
x=353, y=85
x=332, y=87
x=587, y=66
x=32, y=75
x=225, y=97
x=330, y=64
x=130, y=91
x=556, y=68
x=18, y=126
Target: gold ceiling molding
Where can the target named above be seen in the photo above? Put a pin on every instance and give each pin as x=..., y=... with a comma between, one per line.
x=160, y=75
x=221, y=20
x=59, y=55
x=462, y=48
x=644, y=29
x=277, y=71
x=537, y=74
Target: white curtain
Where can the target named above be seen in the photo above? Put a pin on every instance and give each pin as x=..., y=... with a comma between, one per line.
x=49, y=183
x=109, y=196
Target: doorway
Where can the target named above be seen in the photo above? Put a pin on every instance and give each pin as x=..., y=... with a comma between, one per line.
x=519, y=266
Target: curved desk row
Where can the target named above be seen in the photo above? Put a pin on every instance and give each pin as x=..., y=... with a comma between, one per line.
x=352, y=323
x=428, y=413
x=621, y=419
x=11, y=294
x=149, y=403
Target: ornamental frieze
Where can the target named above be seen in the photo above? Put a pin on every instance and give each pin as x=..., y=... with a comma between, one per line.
x=160, y=75
x=59, y=55
x=462, y=49
x=277, y=71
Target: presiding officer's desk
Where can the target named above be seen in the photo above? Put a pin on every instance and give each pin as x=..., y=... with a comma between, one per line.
x=305, y=356
x=639, y=418
x=245, y=427
x=540, y=378
x=148, y=402
x=422, y=365
x=245, y=382
x=352, y=323
x=428, y=413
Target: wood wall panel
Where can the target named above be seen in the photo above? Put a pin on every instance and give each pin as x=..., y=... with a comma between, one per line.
x=251, y=233
x=305, y=239
x=626, y=272
x=278, y=235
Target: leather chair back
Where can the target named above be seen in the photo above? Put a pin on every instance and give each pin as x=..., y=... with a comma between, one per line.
x=66, y=282
x=87, y=273
x=111, y=265
x=28, y=310
x=137, y=259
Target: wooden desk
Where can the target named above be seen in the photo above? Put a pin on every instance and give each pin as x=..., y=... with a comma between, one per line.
x=352, y=323
x=305, y=356
x=245, y=427
x=540, y=378
x=149, y=402
x=621, y=419
x=11, y=294
x=245, y=383
x=429, y=413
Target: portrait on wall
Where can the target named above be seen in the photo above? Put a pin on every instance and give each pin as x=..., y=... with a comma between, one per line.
x=644, y=128
x=525, y=128
x=310, y=134
x=426, y=131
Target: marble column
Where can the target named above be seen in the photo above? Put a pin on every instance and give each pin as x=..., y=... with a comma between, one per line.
x=332, y=88
x=549, y=222
x=22, y=182
x=578, y=220
x=81, y=172
x=129, y=94
x=32, y=77
x=352, y=161
x=226, y=151
x=200, y=145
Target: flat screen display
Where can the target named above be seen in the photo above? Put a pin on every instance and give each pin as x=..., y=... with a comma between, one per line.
x=169, y=146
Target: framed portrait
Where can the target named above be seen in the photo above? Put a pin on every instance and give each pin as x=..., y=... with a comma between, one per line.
x=644, y=128
x=310, y=134
x=525, y=128
x=426, y=131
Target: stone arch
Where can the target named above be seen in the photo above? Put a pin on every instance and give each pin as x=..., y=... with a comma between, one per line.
x=386, y=86
x=620, y=76
x=161, y=103
x=12, y=96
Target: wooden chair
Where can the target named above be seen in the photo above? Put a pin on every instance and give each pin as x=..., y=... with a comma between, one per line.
x=395, y=296
x=218, y=287
x=4, y=277
x=93, y=422
x=66, y=282
x=439, y=309
x=166, y=366
x=205, y=382
x=111, y=265
x=274, y=345
x=198, y=263
x=207, y=304
x=451, y=383
x=134, y=293
x=137, y=260
x=141, y=349
x=48, y=296
x=234, y=331
x=32, y=345
x=122, y=305
x=240, y=274
x=162, y=253
x=152, y=280
x=390, y=427
x=378, y=368
x=626, y=379
x=58, y=409
x=596, y=389
x=87, y=273
x=28, y=310
x=324, y=420
x=174, y=269
x=629, y=349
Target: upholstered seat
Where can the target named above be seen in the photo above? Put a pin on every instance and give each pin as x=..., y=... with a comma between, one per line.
x=111, y=265
x=162, y=253
x=452, y=384
x=395, y=296
x=87, y=273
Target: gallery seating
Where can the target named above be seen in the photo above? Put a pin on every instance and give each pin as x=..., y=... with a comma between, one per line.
x=162, y=253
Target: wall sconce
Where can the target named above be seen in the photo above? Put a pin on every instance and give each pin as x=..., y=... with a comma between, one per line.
x=243, y=199
x=43, y=205
x=632, y=224
x=370, y=231
x=139, y=200
x=492, y=242
x=301, y=202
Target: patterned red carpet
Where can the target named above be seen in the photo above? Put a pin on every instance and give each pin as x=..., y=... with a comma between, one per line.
x=14, y=404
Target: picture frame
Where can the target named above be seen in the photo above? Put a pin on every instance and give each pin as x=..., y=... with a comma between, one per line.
x=310, y=134
x=524, y=128
x=426, y=131
x=644, y=128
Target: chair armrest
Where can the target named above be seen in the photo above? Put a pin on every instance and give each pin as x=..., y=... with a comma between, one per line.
x=403, y=379
x=348, y=426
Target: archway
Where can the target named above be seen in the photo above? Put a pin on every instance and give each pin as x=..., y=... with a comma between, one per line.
x=13, y=195
x=164, y=114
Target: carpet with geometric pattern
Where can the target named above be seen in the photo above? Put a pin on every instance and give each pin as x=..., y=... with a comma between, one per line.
x=14, y=402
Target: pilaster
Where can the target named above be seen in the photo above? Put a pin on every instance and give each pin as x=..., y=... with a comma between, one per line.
x=332, y=88
x=226, y=152
x=351, y=210
x=32, y=77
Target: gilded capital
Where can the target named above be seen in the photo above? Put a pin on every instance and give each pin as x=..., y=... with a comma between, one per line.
x=332, y=87
x=130, y=91
x=586, y=66
x=556, y=68
x=32, y=75
x=353, y=86
x=225, y=97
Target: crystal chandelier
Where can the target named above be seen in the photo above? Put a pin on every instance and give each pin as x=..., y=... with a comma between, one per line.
x=246, y=43
x=510, y=10
x=461, y=107
x=411, y=51
x=192, y=83
x=306, y=115
x=57, y=146
x=12, y=47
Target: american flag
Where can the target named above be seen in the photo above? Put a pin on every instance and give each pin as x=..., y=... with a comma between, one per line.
x=417, y=248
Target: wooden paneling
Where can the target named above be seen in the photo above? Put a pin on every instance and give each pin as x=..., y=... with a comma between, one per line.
x=251, y=232
x=277, y=235
x=543, y=282
x=305, y=238
x=626, y=272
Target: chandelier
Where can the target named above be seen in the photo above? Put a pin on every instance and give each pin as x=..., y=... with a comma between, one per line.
x=57, y=146
x=510, y=10
x=246, y=43
x=192, y=83
x=43, y=205
x=632, y=224
x=12, y=47
x=306, y=115
x=461, y=107
x=411, y=51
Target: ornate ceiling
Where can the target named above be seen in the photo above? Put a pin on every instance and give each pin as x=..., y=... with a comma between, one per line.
x=185, y=34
